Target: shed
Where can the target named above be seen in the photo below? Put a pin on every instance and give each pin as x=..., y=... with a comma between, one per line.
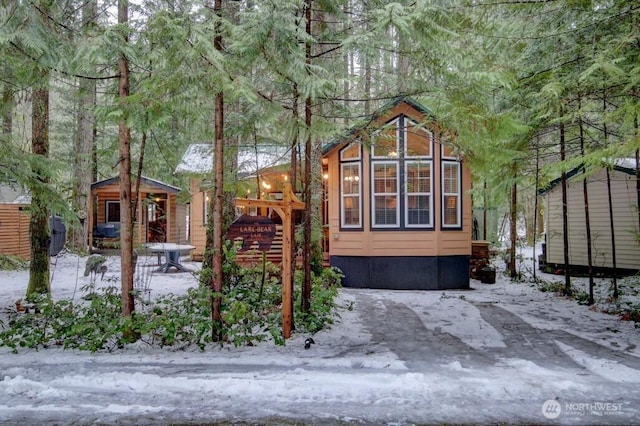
x=159, y=218
x=398, y=205
x=624, y=196
x=263, y=168
x=14, y=222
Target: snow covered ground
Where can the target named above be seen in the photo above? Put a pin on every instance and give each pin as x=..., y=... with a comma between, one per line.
x=499, y=353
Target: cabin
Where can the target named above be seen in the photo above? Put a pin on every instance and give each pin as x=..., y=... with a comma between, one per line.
x=398, y=206
x=261, y=170
x=158, y=218
x=14, y=222
x=624, y=197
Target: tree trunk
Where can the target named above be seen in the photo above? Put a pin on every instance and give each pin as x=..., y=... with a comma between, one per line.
x=565, y=216
x=612, y=227
x=81, y=194
x=7, y=110
x=39, y=224
x=306, y=287
x=124, y=145
x=535, y=210
x=587, y=219
x=513, y=273
x=294, y=186
x=218, y=193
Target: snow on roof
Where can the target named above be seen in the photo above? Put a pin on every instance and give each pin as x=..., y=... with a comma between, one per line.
x=147, y=180
x=198, y=158
x=13, y=194
x=626, y=163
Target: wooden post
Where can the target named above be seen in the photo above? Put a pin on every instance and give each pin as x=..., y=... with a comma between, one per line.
x=285, y=210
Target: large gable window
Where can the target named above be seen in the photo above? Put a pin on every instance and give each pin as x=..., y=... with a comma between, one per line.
x=350, y=187
x=402, y=175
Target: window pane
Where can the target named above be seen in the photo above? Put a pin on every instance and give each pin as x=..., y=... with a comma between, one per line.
x=351, y=210
x=451, y=210
x=352, y=152
x=385, y=143
x=350, y=179
x=418, y=177
x=113, y=211
x=450, y=174
x=418, y=141
x=418, y=209
x=385, y=209
x=385, y=178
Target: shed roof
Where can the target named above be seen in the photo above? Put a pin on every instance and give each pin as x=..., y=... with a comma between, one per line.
x=339, y=141
x=13, y=194
x=198, y=158
x=623, y=165
x=151, y=182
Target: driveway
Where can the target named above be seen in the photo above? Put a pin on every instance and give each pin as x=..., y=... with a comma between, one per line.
x=505, y=354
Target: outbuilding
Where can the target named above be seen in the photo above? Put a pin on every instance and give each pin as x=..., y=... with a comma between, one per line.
x=624, y=197
x=158, y=218
x=398, y=206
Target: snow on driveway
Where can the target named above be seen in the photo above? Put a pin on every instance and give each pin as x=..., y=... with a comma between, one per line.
x=501, y=353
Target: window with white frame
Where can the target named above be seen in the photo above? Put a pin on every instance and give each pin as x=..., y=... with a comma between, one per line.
x=402, y=175
x=418, y=200
x=385, y=194
x=451, y=194
x=350, y=187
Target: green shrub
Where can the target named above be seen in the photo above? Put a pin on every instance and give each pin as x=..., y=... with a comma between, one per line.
x=251, y=312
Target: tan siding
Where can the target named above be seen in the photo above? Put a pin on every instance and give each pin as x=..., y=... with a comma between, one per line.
x=14, y=230
x=396, y=243
x=625, y=222
x=196, y=220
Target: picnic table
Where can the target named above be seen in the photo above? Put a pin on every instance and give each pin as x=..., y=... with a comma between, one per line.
x=172, y=252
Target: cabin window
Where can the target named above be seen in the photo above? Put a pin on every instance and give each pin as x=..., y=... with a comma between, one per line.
x=418, y=141
x=351, y=187
x=402, y=175
x=351, y=211
x=112, y=211
x=385, y=194
x=386, y=140
x=451, y=196
x=418, y=211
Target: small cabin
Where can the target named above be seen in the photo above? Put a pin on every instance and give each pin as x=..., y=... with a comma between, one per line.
x=624, y=197
x=398, y=204
x=261, y=171
x=158, y=217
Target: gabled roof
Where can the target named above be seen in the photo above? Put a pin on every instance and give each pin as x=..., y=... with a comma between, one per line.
x=198, y=158
x=623, y=165
x=148, y=181
x=379, y=113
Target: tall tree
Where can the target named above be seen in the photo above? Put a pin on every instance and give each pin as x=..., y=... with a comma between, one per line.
x=124, y=162
x=84, y=143
x=40, y=212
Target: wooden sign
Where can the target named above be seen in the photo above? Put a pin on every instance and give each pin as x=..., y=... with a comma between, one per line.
x=284, y=208
x=252, y=229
